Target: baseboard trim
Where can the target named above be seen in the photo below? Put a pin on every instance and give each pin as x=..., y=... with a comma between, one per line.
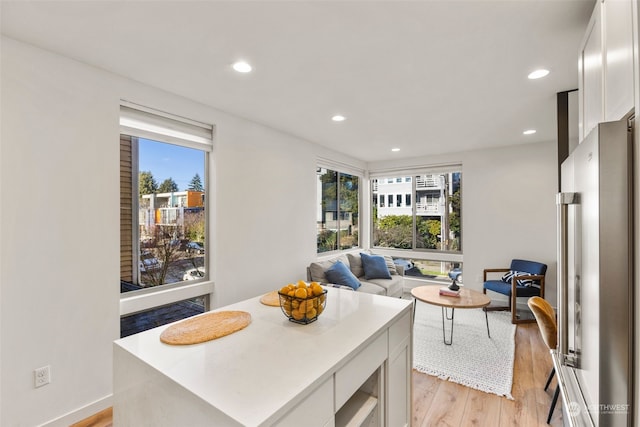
x=102, y=418
x=80, y=414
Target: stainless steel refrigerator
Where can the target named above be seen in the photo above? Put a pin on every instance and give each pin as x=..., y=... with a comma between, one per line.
x=594, y=359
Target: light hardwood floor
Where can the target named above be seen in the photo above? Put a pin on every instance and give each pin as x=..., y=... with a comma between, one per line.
x=441, y=403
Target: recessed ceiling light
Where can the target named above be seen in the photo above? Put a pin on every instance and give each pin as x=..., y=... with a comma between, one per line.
x=537, y=74
x=242, y=67
x=338, y=118
x=395, y=149
x=529, y=132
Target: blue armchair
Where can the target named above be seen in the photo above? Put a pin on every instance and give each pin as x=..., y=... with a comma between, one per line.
x=522, y=279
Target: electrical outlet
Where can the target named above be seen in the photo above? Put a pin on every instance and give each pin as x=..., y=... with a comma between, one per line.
x=42, y=376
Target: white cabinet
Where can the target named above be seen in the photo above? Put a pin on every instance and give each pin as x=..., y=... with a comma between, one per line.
x=605, y=65
x=618, y=58
x=315, y=410
x=350, y=377
x=591, y=75
x=399, y=373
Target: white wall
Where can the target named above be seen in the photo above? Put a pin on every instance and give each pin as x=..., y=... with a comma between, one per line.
x=59, y=228
x=508, y=207
x=59, y=187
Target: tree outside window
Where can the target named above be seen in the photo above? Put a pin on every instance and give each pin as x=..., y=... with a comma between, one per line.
x=337, y=210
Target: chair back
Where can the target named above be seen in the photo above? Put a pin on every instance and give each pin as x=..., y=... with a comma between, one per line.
x=546, y=318
x=531, y=267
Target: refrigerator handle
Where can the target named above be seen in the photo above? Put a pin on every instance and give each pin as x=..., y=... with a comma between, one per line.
x=563, y=200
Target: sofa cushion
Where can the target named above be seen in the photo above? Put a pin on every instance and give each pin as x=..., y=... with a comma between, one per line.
x=372, y=288
x=375, y=267
x=355, y=263
x=340, y=274
x=393, y=287
x=317, y=269
x=390, y=264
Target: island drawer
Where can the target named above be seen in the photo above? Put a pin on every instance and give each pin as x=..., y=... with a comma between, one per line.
x=350, y=377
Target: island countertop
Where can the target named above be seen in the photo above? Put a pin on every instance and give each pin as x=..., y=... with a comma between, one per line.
x=256, y=375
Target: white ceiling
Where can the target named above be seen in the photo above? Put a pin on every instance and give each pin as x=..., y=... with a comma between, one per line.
x=428, y=77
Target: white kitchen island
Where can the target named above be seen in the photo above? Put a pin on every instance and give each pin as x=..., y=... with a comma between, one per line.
x=350, y=367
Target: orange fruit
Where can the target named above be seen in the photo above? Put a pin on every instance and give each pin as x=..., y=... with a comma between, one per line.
x=284, y=290
x=303, y=306
x=320, y=309
x=302, y=284
x=301, y=293
x=316, y=288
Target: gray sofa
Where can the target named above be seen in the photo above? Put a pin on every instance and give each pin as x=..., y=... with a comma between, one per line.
x=389, y=287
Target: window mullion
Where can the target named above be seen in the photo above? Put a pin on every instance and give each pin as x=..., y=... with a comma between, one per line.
x=135, y=214
x=413, y=213
x=338, y=210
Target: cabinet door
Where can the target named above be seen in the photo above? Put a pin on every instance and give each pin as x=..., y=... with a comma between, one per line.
x=590, y=83
x=399, y=373
x=316, y=410
x=618, y=58
x=399, y=387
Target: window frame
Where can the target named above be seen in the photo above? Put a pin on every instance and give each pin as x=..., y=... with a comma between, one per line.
x=152, y=297
x=341, y=169
x=414, y=251
x=420, y=254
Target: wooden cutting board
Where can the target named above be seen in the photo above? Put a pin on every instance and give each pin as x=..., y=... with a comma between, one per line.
x=206, y=327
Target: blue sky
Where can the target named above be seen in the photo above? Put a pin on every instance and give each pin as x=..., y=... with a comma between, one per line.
x=171, y=161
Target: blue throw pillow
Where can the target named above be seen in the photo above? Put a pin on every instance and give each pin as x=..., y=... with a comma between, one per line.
x=375, y=267
x=340, y=274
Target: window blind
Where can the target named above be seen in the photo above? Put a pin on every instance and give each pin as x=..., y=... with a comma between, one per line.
x=339, y=166
x=418, y=170
x=143, y=122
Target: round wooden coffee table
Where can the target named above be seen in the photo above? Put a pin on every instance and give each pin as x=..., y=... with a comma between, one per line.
x=466, y=299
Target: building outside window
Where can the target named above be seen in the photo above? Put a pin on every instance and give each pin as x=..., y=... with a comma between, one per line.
x=338, y=223
x=431, y=226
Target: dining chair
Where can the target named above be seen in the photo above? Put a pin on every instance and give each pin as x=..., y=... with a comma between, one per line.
x=546, y=318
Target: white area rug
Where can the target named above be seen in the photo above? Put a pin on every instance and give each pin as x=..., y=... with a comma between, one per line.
x=473, y=360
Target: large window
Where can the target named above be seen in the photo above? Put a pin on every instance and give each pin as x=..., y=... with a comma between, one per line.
x=337, y=210
x=429, y=230
x=163, y=220
x=172, y=224
x=431, y=223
